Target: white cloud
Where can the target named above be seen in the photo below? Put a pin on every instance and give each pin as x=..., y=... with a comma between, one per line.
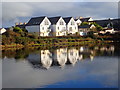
x=12, y=11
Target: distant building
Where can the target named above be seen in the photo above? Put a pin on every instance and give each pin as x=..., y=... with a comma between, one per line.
x=78, y=21
x=110, y=30
x=86, y=19
x=84, y=29
x=21, y=25
x=2, y=30
x=104, y=23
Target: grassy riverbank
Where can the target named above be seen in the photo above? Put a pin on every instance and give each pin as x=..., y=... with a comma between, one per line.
x=20, y=38
x=48, y=43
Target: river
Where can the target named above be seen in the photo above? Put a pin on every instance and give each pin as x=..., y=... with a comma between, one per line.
x=70, y=67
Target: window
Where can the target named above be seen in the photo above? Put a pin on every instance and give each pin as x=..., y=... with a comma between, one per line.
x=75, y=27
x=58, y=28
x=42, y=28
x=72, y=23
x=46, y=22
x=61, y=22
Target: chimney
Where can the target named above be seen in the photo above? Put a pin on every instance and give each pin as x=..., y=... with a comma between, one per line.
x=77, y=17
x=16, y=23
x=25, y=23
x=81, y=17
x=20, y=23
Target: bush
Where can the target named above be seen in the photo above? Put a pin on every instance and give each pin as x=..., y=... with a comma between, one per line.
x=17, y=29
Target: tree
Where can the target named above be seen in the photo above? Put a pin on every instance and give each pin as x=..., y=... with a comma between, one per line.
x=17, y=29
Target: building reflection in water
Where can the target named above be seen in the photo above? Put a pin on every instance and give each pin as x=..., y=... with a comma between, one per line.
x=73, y=55
x=60, y=57
x=64, y=56
x=46, y=58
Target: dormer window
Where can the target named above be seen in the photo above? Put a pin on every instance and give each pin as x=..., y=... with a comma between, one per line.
x=46, y=22
x=72, y=23
x=61, y=23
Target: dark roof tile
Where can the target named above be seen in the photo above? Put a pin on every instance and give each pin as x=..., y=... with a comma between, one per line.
x=84, y=26
x=85, y=19
x=35, y=21
x=54, y=20
x=67, y=19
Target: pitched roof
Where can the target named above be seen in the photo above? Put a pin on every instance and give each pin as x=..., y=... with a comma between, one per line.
x=67, y=19
x=84, y=26
x=85, y=19
x=76, y=19
x=104, y=23
x=54, y=20
x=35, y=21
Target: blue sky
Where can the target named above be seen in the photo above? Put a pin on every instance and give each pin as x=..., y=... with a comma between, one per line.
x=21, y=12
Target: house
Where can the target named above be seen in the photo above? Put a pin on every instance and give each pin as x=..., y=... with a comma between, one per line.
x=78, y=21
x=110, y=30
x=71, y=25
x=105, y=22
x=84, y=29
x=39, y=26
x=2, y=30
x=58, y=26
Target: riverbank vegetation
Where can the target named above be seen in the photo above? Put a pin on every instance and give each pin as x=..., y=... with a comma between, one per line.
x=19, y=38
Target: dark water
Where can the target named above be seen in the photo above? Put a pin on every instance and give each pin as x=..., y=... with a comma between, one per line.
x=72, y=67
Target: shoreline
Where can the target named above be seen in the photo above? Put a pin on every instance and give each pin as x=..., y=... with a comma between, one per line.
x=53, y=45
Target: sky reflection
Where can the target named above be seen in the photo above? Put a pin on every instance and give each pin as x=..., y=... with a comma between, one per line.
x=63, y=68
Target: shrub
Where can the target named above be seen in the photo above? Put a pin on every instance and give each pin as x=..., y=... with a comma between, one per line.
x=17, y=29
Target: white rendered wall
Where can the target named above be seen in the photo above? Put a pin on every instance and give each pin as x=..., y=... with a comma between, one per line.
x=61, y=28
x=74, y=27
x=44, y=28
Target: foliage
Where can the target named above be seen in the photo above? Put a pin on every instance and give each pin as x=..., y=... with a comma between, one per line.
x=23, y=32
x=17, y=29
x=98, y=27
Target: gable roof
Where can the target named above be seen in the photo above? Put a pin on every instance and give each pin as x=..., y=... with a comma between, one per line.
x=54, y=20
x=67, y=19
x=85, y=19
x=104, y=23
x=35, y=21
x=76, y=19
x=84, y=26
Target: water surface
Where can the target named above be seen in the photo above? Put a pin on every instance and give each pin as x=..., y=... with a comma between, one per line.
x=70, y=67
